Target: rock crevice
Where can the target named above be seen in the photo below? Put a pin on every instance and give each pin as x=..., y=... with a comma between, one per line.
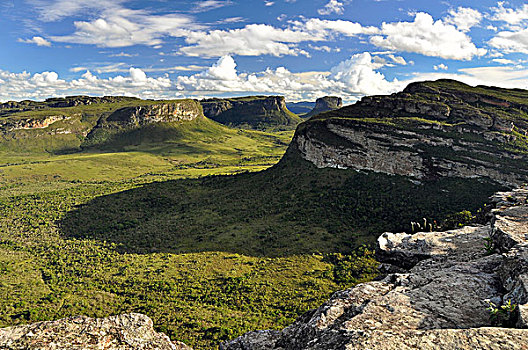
x=440, y=299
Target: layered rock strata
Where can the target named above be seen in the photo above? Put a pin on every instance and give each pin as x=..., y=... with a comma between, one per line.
x=157, y=113
x=428, y=131
x=448, y=288
x=255, y=111
x=123, y=332
x=325, y=104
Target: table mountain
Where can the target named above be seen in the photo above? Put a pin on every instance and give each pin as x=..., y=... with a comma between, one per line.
x=258, y=112
x=325, y=104
x=428, y=131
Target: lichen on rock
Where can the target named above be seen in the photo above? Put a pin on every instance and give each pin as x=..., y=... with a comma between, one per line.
x=124, y=332
x=440, y=300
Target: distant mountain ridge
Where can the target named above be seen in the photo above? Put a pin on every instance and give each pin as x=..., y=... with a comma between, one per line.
x=253, y=111
x=300, y=108
x=325, y=104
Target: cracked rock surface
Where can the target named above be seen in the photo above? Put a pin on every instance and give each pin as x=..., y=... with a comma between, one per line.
x=123, y=332
x=439, y=300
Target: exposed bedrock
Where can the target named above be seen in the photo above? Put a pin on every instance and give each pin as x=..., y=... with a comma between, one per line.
x=440, y=299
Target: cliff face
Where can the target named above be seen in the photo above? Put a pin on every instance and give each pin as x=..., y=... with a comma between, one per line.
x=72, y=122
x=325, y=104
x=448, y=292
x=185, y=110
x=123, y=332
x=430, y=130
x=253, y=111
x=10, y=125
x=61, y=102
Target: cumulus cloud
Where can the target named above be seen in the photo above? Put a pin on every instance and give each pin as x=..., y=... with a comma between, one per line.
x=323, y=29
x=351, y=78
x=440, y=66
x=252, y=40
x=333, y=6
x=464, y=18
x=511, y=41
x=358, y=76
x=38, y=40
x=509, y=15
x=427, y=37
x=123, y=27
x=18, y=86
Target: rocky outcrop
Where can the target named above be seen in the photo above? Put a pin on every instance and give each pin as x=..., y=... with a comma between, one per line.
x=184, y=110
x=253, y=111
x=74, y=127
x=430, y=130
x=123, y=332
x=13, y=124
x=60, y=102
x=325, y=104
x=450, y=293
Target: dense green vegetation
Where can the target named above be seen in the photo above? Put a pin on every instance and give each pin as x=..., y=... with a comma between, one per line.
x=196, y=224
x=292, y=208
x=198, y=297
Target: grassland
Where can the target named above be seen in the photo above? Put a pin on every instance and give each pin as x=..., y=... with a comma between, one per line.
x=194, y=224
x=199, y=296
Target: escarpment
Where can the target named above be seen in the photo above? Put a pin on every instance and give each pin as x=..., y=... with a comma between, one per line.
x=430, y=130
x=325, y=104
x=76, y=122
x=134, y=116
x=450, y=291
x=252, y=111
x=61, y=102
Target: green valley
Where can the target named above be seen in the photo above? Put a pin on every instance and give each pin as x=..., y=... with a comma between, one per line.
x=124, y=206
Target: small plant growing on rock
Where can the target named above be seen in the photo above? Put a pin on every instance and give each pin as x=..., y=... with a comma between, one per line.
x=503, y=315
x=425, y=226
x=489, y=245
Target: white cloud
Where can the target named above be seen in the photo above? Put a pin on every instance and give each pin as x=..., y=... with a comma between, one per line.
x=440, y=66
x=333, y=6
x=464, y=18
x=350, y=79
x=511, y=41
x=55, y=10
x=359, y=77
x=124, y=27
x=509, y=15
x=269, y=3
x=123, y=54
x=137, y=75
x=427, y=37
x=324, y=48
x=18, y=86
x=397, y=59
x=252, y=40
x=207, y=5
x=503, y=61
x=38, y=40
x=322, y=29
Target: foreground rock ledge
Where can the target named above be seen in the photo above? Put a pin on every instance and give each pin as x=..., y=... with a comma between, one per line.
x=123, y=332
x=439, y=298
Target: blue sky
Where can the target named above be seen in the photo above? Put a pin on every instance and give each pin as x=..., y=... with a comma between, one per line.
x=296, y=48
